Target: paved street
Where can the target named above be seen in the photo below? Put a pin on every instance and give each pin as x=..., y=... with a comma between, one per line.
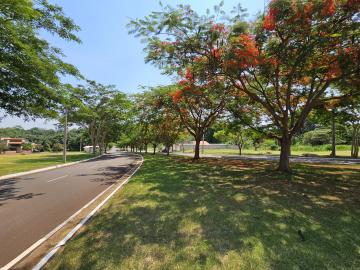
x=32, y=205
x=276, y=158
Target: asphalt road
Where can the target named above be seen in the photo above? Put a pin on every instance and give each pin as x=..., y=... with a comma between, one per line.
x=325, y=160
x=33, y=205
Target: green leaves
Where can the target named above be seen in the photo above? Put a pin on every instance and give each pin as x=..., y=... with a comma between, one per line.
x=30, y=66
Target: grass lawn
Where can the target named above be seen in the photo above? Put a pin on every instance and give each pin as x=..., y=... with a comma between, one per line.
x=177, y=214
x=20, y=163
x=339, y=153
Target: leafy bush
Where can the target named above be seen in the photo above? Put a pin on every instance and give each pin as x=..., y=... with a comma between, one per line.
x=318, y=137
x=3, y=147
x=270, y=145
x=27, y=146
x=57, y=147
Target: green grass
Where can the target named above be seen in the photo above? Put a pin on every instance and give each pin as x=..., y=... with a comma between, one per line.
x=20, y=163
x=324, y=153
x=215, y=214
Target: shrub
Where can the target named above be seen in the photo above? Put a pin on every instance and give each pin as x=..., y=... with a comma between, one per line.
x=318, y=137
x=57, y=147
x=27, y=146
x=270, y=145
x=3, y=147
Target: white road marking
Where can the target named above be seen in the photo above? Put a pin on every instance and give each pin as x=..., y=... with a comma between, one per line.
x=46, y=237
x=57, y=178
x=45, y=259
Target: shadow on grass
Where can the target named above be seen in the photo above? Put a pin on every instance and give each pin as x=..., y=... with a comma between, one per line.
x=217, y=214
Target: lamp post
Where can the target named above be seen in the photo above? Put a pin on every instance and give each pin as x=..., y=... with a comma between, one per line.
x=333, y=133
x=65, y=135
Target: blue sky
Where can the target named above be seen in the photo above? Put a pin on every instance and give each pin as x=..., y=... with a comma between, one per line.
x=107, y=53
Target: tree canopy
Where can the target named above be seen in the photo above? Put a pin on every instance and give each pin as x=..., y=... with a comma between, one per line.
x=30, y=68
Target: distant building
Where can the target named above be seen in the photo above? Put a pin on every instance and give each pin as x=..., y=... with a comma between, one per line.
x=89, y=148
x=14, y=144
x=203, y=144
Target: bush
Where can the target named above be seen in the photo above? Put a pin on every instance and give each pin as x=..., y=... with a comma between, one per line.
x=27, y=146
x=57, y=147
x=3, y=147
x=318, y=137
x=270, y=145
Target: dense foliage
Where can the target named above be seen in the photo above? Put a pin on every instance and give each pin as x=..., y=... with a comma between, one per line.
x=30, y=67
x=46, y=139
x=286, y=63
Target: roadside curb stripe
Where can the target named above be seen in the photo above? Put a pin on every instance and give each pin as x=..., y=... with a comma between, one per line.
x=9, y=176
x=45, y=259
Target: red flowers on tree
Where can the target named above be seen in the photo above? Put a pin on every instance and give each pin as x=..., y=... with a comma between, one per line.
x=329, y=8
x=270, y=19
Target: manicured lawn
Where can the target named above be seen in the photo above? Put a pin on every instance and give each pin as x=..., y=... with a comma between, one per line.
x=20, y=163
x=339, y=153
x=177, y=214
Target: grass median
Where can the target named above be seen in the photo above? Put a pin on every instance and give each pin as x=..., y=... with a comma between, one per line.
x=16, y=163
x=216, y=214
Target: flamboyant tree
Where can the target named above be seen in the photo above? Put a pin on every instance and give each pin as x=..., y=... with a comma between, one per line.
x=179, y=41
x=299, y=50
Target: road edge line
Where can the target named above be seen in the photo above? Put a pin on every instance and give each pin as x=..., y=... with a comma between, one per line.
x=14, y=175
x=51, y=233
x=61, y=243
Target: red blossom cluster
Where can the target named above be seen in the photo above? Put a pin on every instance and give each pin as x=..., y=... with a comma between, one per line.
x=177, y=95
x=308, y=9
x=188, y=75
x=216, y=53
x=329, y=8
x=270, y=19
x=247, y=53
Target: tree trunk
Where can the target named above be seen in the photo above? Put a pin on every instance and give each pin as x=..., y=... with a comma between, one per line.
x=333, y=136
x=145, y=146
x=240, y=149
x=355, y=142
x=154, y=146
x=284, y=162
x=197, y=148
x=168, y=150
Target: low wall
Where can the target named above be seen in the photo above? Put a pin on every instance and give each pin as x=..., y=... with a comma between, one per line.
x=181, y=147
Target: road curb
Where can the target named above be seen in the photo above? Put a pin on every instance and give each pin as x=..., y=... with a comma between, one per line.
x=8, y=176
x=83, y=221
x=53, y=250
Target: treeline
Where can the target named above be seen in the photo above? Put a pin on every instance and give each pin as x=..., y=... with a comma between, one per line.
x=48, y=139
x=270, y=75
x=262, y=79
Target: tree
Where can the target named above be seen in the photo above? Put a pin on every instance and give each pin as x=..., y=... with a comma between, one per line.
x=102, y=111
x=157, y=118
x=234, y=133
x=180, y=41
x=351, y=116
x=30, y=67
x=300, y=49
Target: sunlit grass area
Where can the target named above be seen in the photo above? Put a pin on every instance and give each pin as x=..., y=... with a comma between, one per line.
x=15, y=163
x=216, y=214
